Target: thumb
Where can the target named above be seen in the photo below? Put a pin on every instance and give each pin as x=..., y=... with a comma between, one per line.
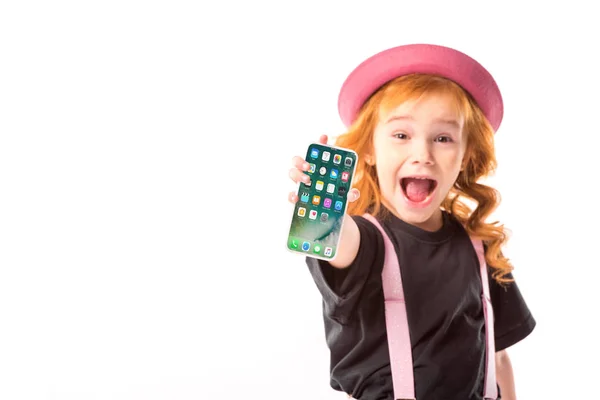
x=353, y=195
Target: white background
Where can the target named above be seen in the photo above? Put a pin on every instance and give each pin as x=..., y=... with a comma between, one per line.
x=144, y=153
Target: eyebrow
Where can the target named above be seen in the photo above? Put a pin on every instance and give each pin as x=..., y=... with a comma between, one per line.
x=445, y=121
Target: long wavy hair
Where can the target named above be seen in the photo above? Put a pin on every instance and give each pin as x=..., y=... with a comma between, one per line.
x=469, y=201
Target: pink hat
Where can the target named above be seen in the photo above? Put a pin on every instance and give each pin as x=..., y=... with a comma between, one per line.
x=374, y=72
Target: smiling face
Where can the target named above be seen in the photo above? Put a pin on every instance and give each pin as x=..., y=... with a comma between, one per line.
x=418, y=151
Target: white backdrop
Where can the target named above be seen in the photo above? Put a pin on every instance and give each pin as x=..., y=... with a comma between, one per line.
x=144, y=153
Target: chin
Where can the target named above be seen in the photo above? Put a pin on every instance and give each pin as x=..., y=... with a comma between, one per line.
x=416, y=216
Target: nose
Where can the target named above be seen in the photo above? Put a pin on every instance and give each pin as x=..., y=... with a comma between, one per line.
x=422, y=152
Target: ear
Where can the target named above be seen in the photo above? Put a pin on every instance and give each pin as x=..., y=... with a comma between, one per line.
x=369, y=159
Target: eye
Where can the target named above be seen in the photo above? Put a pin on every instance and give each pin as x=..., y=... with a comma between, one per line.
x=444, y=139
x=400, y=135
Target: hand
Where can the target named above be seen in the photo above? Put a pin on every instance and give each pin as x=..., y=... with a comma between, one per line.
x=299, y=165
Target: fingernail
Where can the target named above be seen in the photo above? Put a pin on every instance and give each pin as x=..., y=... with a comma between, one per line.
x=305, y=165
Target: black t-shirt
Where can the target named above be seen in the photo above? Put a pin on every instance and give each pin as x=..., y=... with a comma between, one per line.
x=442, y=288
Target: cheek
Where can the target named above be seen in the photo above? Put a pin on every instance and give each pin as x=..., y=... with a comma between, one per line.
x=453, y=165
x=387, y=171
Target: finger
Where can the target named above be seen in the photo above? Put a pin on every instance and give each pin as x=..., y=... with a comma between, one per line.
x=323, y=139
x=293, y=197
x=353, y=195
x=298, y=176
x=299, y=163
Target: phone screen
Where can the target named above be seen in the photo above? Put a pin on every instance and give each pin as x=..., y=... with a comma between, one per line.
x=319, y=213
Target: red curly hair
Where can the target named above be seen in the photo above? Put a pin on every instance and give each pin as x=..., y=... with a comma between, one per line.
x=469, y=201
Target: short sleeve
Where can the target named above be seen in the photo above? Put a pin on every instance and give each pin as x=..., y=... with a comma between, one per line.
x=513, y=320
x=341, y=288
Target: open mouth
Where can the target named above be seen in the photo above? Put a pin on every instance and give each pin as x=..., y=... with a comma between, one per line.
x=418, y=189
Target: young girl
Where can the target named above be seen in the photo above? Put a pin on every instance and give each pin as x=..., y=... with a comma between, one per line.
x=422, y=120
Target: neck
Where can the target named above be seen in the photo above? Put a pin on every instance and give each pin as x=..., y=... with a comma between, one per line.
x=433, y=224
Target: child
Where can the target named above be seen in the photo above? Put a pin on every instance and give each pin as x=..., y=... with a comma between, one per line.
x=422, y=120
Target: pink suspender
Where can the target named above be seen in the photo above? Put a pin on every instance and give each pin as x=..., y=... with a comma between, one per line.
x=490, y=390
x=397, y=323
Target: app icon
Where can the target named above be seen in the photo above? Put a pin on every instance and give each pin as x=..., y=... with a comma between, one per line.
x=294, y=243
x=301, y=212
x=323, y=170
x=317, y=248
x=327, y=203
x=312, y=214
x=338, y=205
x=348, y=162
x=324, y=217
x=328, y=251
x=334, y=174
x=330, y=188
x=319, y=185
x=341, y=191
x=305, y=246
x=316, y=200
x=326, y=155
x=345, y=176
x=337, y=159
x=314, y=153
x=304, y=197
x=312, y=168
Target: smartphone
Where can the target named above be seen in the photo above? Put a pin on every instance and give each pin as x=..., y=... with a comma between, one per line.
x=319, y=212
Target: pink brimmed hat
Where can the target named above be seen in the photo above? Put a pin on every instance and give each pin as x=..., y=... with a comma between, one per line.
x=381, y=68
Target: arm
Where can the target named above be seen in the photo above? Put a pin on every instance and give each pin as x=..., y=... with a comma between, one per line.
x=349, y=244
x=504, y=376
x=513, y=322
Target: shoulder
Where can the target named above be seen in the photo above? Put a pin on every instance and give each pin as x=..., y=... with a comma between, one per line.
x=368, y=224
x=513, y=320
x=341, y=289
x=371, y=238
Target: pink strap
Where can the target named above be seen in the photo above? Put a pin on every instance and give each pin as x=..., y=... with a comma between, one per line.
x=397, y=323
x=490, y=390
